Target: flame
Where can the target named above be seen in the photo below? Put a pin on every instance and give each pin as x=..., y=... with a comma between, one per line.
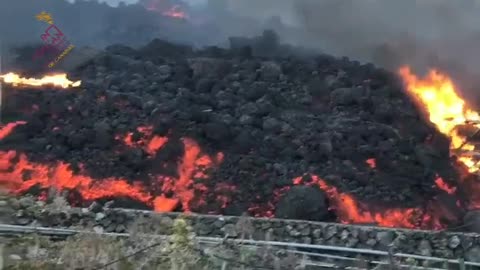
x=19, y=174
x=444, y=106
x=58, y=80
x=447, y=111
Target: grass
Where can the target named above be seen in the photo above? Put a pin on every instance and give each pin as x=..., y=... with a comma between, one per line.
x=139, y=251
x=145, y=249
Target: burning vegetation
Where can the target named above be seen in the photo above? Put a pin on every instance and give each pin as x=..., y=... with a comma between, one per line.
x=326, y=140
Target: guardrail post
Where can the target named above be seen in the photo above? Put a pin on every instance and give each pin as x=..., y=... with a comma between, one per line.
x=1, y=255
x=391, y=258
x=1, y=90
x=461, y=264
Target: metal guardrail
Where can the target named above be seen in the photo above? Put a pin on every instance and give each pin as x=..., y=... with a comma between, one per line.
x=317, y=251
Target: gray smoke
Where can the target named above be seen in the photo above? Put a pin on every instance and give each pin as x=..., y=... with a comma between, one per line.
x=422, y=33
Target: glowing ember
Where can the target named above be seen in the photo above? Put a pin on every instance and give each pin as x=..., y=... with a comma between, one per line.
x=59, y=80
x=372, y=163
x=175, y=12
x=164, y=8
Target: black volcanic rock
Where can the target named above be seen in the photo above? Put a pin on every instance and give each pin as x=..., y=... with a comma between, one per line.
x=321, y=115
x=304, y=203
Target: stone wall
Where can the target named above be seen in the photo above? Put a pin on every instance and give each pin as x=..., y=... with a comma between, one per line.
x=429, y=243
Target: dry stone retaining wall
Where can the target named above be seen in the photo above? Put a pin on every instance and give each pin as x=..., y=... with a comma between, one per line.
x=428, y=243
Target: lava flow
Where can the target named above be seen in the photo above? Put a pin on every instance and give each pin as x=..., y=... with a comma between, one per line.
x=57, y=80
x=436, y=93
x=348, y=210
x=19, y=175
x=167, y=180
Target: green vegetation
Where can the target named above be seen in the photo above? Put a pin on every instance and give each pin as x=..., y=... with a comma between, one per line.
x=140, y=251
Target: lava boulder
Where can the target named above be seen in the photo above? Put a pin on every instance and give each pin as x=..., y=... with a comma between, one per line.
x=303, y=202
x=472, y=221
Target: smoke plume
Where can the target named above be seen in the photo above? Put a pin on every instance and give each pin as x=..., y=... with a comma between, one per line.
x=421, y=33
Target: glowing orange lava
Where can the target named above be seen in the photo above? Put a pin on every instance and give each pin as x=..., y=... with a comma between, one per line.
x=348, y=210
x=372, y=163
x=58, y=80
x=444, y=186
x=7, y=129
x=151, y=145
x=19, y=174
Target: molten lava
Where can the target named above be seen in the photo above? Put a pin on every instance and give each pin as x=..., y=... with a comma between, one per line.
x=151, y=146
x=372, y=163
x=19, y=174
x=348, y=210
x=188, y=187
x=57, y=80
x=444, y=186
x=7, y=129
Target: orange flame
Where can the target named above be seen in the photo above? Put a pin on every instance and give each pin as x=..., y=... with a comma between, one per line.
x=58, y=80
x=444, y=106
x=447, y=111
